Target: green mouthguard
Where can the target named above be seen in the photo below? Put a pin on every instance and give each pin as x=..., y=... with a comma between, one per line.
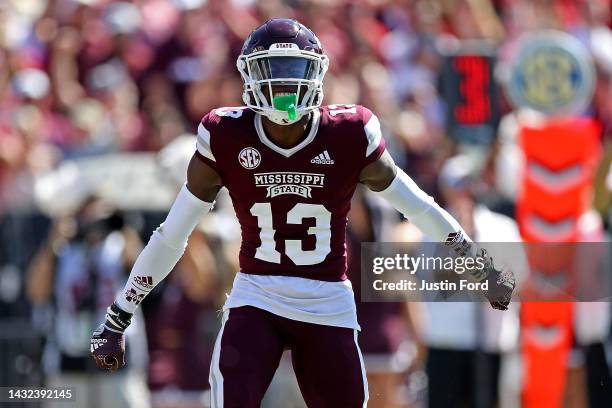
x=286, y=103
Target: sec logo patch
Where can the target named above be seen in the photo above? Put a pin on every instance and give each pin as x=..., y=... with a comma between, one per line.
x=249, y=158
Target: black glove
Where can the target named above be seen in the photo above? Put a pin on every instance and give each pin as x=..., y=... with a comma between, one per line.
x=501, y=282
x=108, y=340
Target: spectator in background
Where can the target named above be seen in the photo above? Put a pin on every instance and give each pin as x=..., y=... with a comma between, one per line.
x=77, y=271
x=27, y=129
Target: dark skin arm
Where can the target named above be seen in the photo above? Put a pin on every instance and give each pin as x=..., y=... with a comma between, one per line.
x=202, y=180
x=378, y=175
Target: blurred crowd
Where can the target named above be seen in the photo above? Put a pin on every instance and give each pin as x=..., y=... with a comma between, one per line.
x=82, y=78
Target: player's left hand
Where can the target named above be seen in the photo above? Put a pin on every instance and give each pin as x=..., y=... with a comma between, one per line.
x=501, y=284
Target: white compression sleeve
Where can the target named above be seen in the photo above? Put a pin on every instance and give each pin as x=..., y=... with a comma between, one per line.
x=421, y=209
x=164, y=249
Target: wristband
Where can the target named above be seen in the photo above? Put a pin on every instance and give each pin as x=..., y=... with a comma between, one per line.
x=117, y=320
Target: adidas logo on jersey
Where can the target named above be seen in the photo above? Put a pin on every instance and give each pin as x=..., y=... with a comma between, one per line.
x=322, y=158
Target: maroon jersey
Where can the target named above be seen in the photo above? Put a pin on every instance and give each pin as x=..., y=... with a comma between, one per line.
x=292, y=204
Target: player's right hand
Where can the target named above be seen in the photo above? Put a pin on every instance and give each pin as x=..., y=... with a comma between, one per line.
x=108, y=341
x=108, y=348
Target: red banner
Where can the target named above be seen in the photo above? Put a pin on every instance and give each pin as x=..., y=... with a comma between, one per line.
x=560, y=160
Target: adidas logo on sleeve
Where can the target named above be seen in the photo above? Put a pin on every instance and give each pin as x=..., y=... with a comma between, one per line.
x=322, y=158
x=144, y=281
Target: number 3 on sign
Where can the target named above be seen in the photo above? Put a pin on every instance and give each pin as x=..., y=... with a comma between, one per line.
x=293, y=248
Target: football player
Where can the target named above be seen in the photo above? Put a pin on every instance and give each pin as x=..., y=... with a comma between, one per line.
x=291, y=166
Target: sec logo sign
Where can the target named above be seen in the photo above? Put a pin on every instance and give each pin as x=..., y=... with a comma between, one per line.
x=553, y=73
x=249, y=158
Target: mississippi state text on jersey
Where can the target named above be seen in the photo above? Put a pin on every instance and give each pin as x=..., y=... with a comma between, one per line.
x=292, y=204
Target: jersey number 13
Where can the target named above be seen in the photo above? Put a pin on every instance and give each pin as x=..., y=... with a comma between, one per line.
x=293, y=248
